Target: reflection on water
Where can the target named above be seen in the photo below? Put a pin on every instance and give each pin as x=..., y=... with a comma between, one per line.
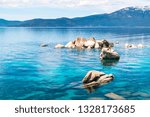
x=109, y=62
x=28, y=71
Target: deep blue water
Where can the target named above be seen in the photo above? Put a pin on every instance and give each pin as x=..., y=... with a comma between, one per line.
x=28, y=71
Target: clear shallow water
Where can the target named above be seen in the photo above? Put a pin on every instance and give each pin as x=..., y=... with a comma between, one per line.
x=28, y=71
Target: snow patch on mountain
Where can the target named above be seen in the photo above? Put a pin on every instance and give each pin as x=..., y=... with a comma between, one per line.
x=143, y=8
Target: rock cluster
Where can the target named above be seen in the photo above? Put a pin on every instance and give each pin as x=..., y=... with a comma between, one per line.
x=82, y=43
x=134, y=46
x=96, y=78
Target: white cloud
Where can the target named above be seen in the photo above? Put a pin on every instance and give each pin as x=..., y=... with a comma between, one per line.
x=29, y=9
x=51, y=3
x=104, y=5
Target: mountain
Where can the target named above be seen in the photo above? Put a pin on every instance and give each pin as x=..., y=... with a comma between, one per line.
x=130, y=16
x=6, y=23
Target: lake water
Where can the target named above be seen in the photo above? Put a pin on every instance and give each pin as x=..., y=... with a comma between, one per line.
x=28, y=71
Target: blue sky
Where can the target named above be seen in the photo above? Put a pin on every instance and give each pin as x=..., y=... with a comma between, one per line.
x=29, y=9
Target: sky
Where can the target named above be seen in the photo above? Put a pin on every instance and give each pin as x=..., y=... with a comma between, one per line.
x=30, y=9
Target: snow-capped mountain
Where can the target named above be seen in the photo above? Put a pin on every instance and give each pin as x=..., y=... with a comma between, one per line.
x=134, y=10
x=130, y=16
x=143, y=8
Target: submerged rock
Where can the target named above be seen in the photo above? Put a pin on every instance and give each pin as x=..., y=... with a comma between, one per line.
x=96, y=78
x=114, y=96
x=141, y=94
x=96, y=98
x=109, y=54
x=59, y=46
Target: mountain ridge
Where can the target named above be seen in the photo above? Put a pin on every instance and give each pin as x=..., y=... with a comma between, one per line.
x=129, y=16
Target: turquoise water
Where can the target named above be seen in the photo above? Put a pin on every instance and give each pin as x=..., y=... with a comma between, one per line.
x=28, y=71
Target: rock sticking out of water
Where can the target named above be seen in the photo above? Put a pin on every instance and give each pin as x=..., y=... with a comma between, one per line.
x=43, y=45
x=134, y=46
x=109, y=54
x=94, y=79
x=59, y=46
x=114, y=96
x=91, y=43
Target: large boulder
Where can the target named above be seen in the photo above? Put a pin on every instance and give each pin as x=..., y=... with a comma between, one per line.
x=59, y=46
x=100, y=43
x=92, y=76
x=92, y=39
x=96, y=78
x=70, y=44
x=79, y=42
x=105, y=79
x=109, y=54
x=103, y=44
x=96, y=45
x=90, y=43
x=106, y=44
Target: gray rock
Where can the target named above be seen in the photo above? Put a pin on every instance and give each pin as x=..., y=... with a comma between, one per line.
x=104, y=44
x=43, y=45
x=109, y=54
